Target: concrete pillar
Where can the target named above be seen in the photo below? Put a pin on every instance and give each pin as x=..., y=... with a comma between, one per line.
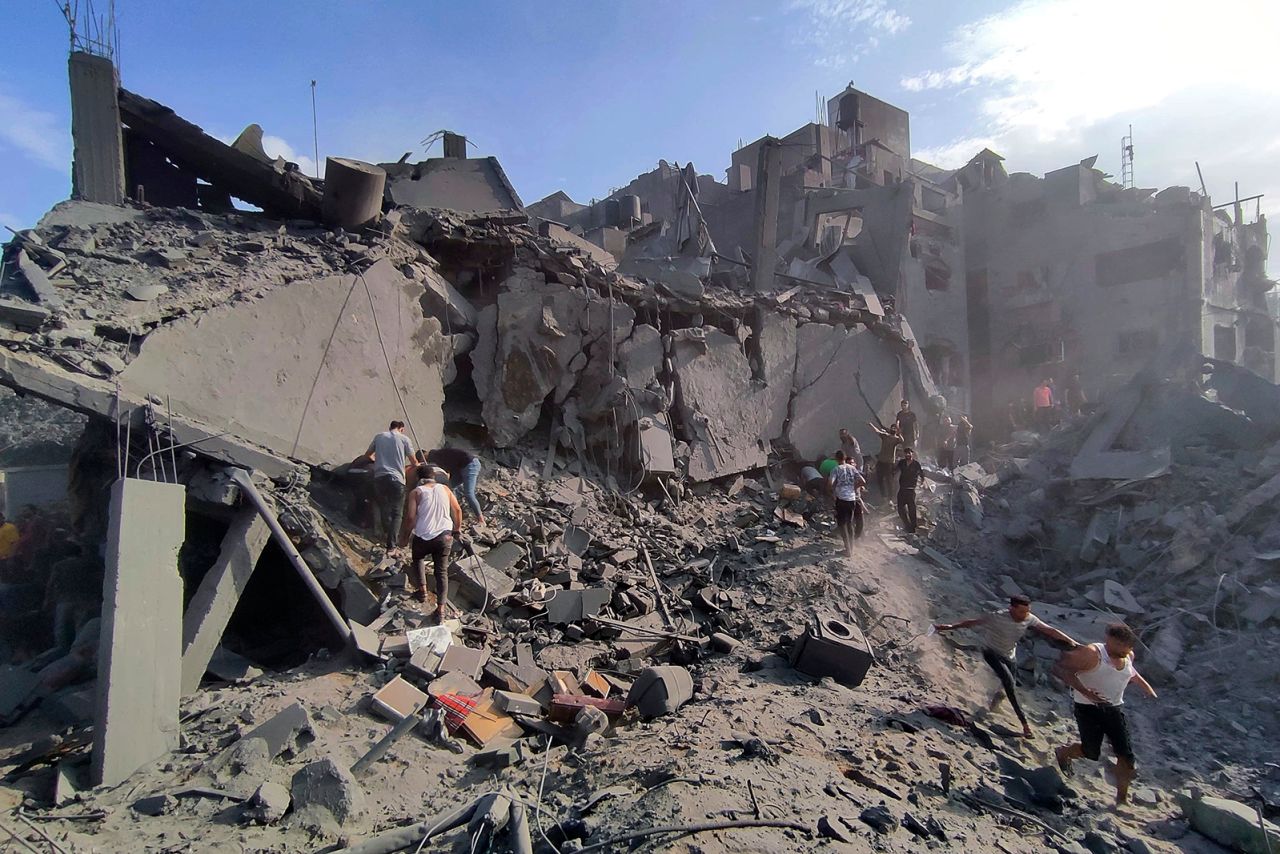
x=768, y=182
x=211, y=608
x=455, y=145
x=352, y=193
x=97, y=173
x=139, y=652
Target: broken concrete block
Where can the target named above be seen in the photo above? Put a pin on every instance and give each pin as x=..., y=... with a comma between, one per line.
x=569, y=606
x=660, y=691
x=269, y=804
x=442, y=301
x=139, y=651
x=22, y=314
x=499, y=754
x=288, y=730
x=154, y=805
x=464, y=660
x=1115, y=597
x=397, y=700
x=1096, y=537
x=326, y=796
x=473, y=581
x=1230, y=823
x=516, y=704
x=454, y=683
x=486, y=722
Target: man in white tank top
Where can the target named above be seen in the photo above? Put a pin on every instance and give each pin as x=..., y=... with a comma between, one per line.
x=432, y=521
x=1098, y=674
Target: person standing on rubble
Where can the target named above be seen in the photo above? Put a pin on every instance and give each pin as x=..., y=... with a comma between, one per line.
x=1043, y=400
x=390, y=451
x=889, y=441
x=433, y=521
x=908, y=424
x=852, y=450
x=843, y=484
x=909, y=474
x=948, y=437
x=464, y=470
x=1097, y=675
x=1000, y=631
x=964, y=441
x=1074, y=394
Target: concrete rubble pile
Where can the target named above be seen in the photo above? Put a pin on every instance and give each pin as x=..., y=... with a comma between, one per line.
x=651, y=602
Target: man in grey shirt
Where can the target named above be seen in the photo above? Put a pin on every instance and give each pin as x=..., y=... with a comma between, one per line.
x=390, y=452
x=1000, y=631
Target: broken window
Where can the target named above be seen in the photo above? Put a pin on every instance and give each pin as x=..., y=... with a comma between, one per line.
x=933, y=201
x=937, y=277
x=1137, y=342
x=1138, y=263
x=1224, y=343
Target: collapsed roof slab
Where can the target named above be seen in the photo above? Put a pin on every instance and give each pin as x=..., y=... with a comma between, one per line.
x=473, y=185
x=286, y=193
x=309, y=371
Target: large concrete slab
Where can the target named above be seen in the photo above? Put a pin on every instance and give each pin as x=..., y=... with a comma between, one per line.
x=97, y=171
x=831, y=363
x=472, y=185
x=732, y=411
x=302, y=371
x=139, y=653
x=215, y=600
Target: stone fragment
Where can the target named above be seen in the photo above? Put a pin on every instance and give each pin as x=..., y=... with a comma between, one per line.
x=154, y=805
x=1230, y=823
x=660, y=691
x=590, y=720
x=269, y=804
x=880, y=819
x=326, y=796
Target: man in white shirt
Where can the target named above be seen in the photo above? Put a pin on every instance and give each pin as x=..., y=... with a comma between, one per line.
x=390, y=451
x=433, y=520
x=1097, y=675
x=1000, y=631
x=843, y=483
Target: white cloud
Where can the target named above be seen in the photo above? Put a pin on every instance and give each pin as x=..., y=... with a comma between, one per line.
x=35, y=133
x=956, y=153
x=842, y=31
x=10, y=221
x=1062, y=79
x=274, y=146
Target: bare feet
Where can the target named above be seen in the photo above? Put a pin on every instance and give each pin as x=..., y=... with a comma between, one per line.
x=1026, y=731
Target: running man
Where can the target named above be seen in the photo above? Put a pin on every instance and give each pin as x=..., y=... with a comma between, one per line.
x=843, y=483
x=1000, y=631
x=1098, y=674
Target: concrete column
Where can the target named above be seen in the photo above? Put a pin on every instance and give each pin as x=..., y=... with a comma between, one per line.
x=768, y=184
x=215, y=601
x=352, y=193
x=97, y=173
x=139, y=652
x=455, y=145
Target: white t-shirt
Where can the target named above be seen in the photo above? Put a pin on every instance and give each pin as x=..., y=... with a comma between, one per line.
x=1001, y=634
x=433, y=517
x=844, y=482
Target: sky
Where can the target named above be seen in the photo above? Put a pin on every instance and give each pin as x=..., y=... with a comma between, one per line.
x=584, y=96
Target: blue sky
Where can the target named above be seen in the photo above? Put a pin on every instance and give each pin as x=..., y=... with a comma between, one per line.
x=583, y=96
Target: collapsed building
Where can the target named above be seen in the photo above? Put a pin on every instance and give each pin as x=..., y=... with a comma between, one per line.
x=645, y=372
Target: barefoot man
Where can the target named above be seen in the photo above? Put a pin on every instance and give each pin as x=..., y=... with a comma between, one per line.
x=1098, y=674
x=1000, y=631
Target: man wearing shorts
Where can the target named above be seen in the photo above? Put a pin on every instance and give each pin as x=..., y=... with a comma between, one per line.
x=1098, y=674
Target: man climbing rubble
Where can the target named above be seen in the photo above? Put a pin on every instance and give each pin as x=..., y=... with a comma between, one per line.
x=390, y=451
x=909, y=474
x=1000, y=631
x=464, y=470
x=908, y=424
x=889, y=441
x=1097, y=675
x=433, y=520
x=844, y=483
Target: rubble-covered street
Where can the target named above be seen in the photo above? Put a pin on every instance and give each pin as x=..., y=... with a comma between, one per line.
x=833, y=506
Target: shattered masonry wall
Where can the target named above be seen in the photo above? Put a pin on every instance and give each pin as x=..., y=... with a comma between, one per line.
x=304, y=366
x=831, y=363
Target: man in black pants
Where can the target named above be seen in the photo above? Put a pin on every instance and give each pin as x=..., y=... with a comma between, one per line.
x=1001, y=630
x=433, y=520
x=909, y=474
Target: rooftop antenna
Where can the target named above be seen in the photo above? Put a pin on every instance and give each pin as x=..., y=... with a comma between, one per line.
x=315, y=128
x=1126, y=160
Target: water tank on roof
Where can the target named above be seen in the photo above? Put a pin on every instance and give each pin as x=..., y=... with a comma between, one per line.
x=847, y=117
x=629, y=210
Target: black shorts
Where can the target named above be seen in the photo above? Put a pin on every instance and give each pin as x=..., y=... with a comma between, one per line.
x=846, y=511
x=1095, y=722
